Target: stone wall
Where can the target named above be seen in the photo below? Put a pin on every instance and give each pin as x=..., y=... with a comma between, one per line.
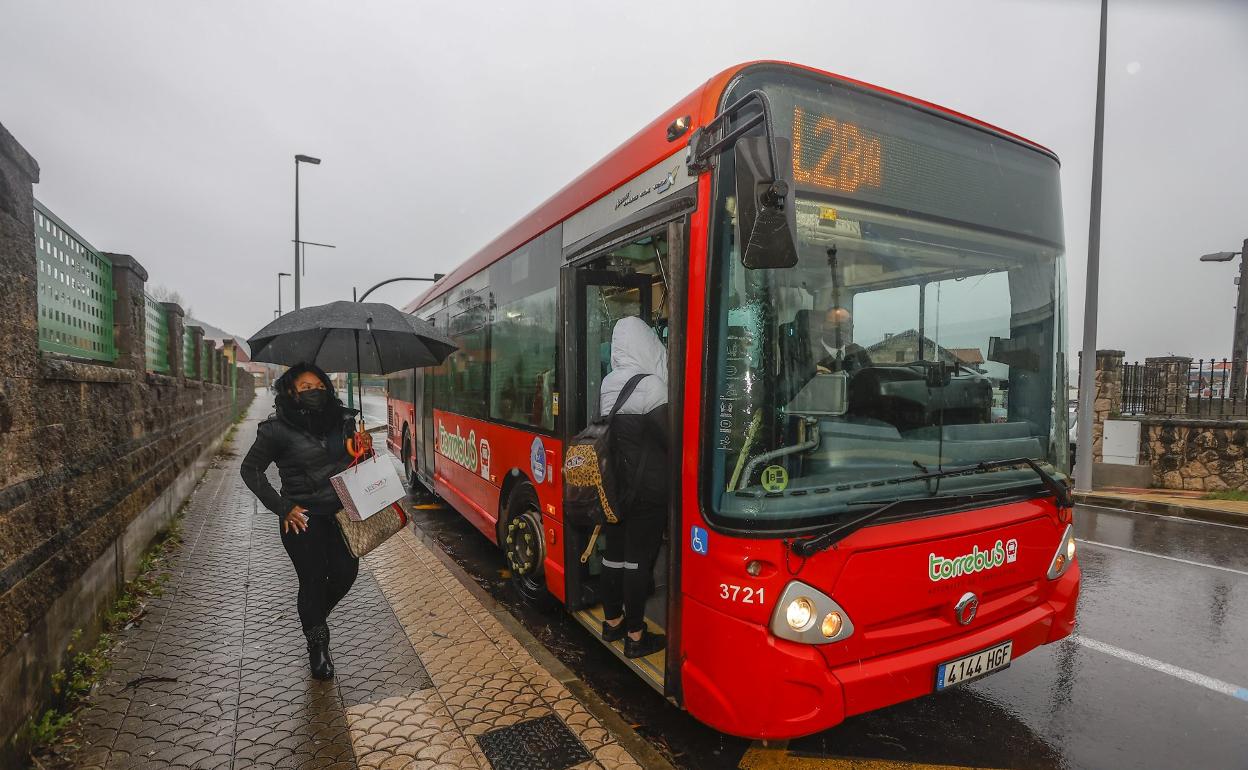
x=1202, y=455
x=94, y=459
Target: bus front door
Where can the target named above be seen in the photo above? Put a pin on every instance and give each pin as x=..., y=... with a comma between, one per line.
x=628, y=280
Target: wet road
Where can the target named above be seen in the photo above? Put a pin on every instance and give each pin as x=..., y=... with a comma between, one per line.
x=1154, y=677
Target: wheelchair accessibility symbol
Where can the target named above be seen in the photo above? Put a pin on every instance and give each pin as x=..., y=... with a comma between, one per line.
x=698, y=540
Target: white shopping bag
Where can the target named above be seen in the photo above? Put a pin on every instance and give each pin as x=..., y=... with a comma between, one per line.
x=368, y=487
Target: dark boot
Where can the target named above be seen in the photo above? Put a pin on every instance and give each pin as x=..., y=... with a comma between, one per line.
x=648, y=644
x=612, y=633
x=318, y=653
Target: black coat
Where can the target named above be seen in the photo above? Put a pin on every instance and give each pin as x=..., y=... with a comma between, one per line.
x=305, y=461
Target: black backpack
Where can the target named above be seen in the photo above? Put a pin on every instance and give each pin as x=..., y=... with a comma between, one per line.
x=590, y=487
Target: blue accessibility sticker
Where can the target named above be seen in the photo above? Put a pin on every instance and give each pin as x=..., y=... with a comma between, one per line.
x=537, y=460
x=698, y=540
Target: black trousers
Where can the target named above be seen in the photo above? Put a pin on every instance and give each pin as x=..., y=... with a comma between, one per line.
x=325, y=567
x=628, y=565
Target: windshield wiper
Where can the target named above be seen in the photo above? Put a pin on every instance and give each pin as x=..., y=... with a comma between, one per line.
x=811, y=546
x=1059, y=490
x=828, y=537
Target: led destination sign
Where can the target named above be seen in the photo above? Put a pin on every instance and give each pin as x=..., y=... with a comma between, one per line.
x=834, y=154
x=870, y=149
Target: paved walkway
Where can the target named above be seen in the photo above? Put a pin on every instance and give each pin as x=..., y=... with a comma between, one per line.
x=215, y=675
x=1168, y=502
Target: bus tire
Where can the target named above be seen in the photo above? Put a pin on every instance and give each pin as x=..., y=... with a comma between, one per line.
x=405, y=454
x=524, y=546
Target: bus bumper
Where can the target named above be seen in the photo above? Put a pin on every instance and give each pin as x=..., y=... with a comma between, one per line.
x=748, y=683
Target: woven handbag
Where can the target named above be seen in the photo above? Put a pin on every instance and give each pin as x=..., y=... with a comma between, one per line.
x=363, y=536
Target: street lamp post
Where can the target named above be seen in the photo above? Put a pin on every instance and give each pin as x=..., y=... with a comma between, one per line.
x=1087, y=368
x=1239, y=344
x=279, y=292
x=315, y=162
x=361, y=298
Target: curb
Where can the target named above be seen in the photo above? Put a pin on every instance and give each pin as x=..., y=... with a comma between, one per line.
x=625, y=735
x=1157, y=508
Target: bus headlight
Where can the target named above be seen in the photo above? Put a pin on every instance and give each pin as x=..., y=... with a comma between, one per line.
x=800, y=614
x=1065, y=555
x=806, y=614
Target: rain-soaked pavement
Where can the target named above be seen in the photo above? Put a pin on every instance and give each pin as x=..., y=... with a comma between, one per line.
x=1154, y=677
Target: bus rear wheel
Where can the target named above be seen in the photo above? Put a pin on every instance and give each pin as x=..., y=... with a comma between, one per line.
x=524, y=546
x=421, y=494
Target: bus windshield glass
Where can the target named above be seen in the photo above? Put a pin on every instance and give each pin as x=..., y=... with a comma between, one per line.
x=921, y=329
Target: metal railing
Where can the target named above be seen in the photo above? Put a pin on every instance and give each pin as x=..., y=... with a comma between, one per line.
x=1211, y=390
x=157, y=336
x=75, y=291
x=1205, y=389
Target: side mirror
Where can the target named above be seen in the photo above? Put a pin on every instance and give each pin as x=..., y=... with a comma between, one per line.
x=765, y=205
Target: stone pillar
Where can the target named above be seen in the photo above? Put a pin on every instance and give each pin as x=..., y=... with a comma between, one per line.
x=1168, y=378
x=176, y=316
x=19, y=342
x=19, y=313
x=129, y=312
x=1108, y=397
x=197, y=352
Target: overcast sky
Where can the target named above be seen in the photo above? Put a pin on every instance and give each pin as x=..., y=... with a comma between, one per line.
x=166, y=130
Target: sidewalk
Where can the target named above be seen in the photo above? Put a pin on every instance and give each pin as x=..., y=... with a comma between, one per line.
x=215, y=676
x=1168, y=502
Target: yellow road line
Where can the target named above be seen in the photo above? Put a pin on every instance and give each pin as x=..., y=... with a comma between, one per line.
x=758, y=757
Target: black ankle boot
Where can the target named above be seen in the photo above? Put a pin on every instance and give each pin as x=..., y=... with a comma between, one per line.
x=318, y=653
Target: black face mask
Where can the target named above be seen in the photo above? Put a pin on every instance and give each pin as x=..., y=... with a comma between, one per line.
x=313, y=400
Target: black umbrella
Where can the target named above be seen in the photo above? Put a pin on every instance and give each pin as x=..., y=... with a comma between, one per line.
x=367, y=337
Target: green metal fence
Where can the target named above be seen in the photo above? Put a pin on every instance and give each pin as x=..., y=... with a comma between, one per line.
x=208, y=372
x=75, y=291
x=157, y=342
x=188, y=353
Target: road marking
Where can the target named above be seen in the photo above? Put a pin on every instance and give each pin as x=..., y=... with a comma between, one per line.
x=1178, y=519
x=758, y=757
x=1160, y=556
x=1208, y=682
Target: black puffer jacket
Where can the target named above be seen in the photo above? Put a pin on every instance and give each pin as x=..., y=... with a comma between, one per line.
x=305, y=460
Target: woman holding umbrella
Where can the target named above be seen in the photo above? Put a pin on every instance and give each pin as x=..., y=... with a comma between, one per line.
x=308, y=435
x=308, y=440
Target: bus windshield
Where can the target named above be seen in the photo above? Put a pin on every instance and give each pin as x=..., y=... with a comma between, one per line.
x=922, y=328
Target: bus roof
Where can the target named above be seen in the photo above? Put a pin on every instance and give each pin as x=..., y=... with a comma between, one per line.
x=644, y=149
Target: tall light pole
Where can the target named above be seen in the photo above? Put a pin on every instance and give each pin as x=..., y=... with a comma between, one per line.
x=315, y=162
x=1239, y=345
x=1087, y=368
x=279, y=292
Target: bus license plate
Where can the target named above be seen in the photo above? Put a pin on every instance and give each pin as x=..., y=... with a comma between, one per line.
x=974, y=666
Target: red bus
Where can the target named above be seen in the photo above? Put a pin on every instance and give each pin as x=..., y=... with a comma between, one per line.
x=842, y=537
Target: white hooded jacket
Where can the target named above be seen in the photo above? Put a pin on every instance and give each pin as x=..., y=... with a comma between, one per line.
x=635, y=349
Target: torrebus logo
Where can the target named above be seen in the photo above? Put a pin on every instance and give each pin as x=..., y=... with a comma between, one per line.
x=939, y=568
x=459, y=450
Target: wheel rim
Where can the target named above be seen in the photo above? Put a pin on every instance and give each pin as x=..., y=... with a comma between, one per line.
x=524, y=546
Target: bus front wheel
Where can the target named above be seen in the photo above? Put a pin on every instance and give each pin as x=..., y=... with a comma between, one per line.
x=524, y=546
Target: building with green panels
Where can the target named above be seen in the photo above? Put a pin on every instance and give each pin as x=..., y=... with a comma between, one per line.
x=75, y=291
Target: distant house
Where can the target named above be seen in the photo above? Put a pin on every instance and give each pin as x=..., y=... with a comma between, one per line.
x=236, y=352
x=904, y=347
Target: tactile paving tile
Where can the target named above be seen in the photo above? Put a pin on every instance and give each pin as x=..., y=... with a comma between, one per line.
x=544, y=743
